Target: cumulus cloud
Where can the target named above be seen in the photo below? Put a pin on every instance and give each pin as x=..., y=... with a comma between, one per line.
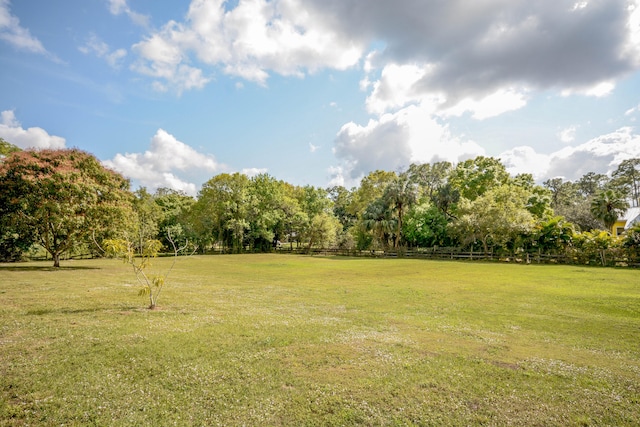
x=160, y=165
x=34, y=137
x=436, y=60
x=250, y=40
x=394, y=89
x=17, y=36
x=467, y=51
x=455, y=51
x=474, y=49
x=336, y=174
x=395, y=140
x=95, y=46
x=525, y=159
x=601, y=155
x=412, y=136
x=423, y=62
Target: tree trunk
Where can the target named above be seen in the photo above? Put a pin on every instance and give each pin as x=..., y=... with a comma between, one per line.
x=56, y=260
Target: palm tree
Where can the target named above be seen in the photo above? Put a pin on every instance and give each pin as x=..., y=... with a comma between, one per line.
x=400, y=194
x=608, y=206
x=378, y=219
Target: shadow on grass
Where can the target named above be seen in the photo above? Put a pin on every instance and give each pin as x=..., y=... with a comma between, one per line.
x=9, y=267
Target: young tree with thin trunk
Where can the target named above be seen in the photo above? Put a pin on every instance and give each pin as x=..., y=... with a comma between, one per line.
x=140, y=257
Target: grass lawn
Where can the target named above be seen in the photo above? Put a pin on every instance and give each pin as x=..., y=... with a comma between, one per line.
x=281, y=340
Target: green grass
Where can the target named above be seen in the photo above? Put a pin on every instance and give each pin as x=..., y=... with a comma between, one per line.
x=287, y=340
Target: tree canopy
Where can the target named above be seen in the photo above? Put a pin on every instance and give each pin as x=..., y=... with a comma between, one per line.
x=60, y=198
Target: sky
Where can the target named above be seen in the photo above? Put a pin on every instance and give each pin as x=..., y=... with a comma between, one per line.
x=322, y=92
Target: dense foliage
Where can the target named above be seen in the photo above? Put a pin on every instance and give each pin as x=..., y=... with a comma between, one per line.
x=54, y=198
x=59, y=199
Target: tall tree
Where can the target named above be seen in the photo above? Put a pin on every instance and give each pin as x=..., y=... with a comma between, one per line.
x=425, y=226
x=591, y=183
x=265, y=209
x=378, y=219
x=608, y=206
x=220, y=213
x=63, y=197
x=430, y=178
x=563, y=193
x=323, y=231
x=628, y=175
x=475, y=177
x=147, y=218
x=371, y=188
x=539, y=203
x=312, y=204
x=342, y=198
x=570, y=202
x=496, y=217
x=400, y=195
x=446, y=200
x=15, y=239
x=174, y=224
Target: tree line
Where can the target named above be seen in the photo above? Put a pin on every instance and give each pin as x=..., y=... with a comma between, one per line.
x=65, y=201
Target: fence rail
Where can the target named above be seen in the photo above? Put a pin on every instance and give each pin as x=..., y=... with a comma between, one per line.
x=422, y=253
x=458, y=254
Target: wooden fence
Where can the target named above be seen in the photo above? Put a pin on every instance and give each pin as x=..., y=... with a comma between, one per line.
x=421, y=253
x=458, y=254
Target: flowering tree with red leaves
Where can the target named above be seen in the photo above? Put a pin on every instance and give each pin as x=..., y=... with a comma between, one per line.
x=61, y=198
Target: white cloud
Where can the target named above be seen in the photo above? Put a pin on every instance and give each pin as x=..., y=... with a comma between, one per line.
x=101, y=50
x=164, y=60
x=492, y=105
x=580, y=5
x=118, y=7
x=251, y=172
x=395, y=88
x=598, y=90
x=600, y=155
x=249, y=41
x=567, y=135
x=395, y=140
x=17, y=36
x=34, y=137
x=474, y=55
x=525, y=160
x=632, y=111
x=160, y=164
x=633, y=43
x=473, y=50
x=313, y=148
x=336, y=174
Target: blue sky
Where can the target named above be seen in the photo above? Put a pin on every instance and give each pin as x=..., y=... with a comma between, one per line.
x=322, y=92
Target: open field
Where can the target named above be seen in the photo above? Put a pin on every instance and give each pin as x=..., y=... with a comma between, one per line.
x=289, y=340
